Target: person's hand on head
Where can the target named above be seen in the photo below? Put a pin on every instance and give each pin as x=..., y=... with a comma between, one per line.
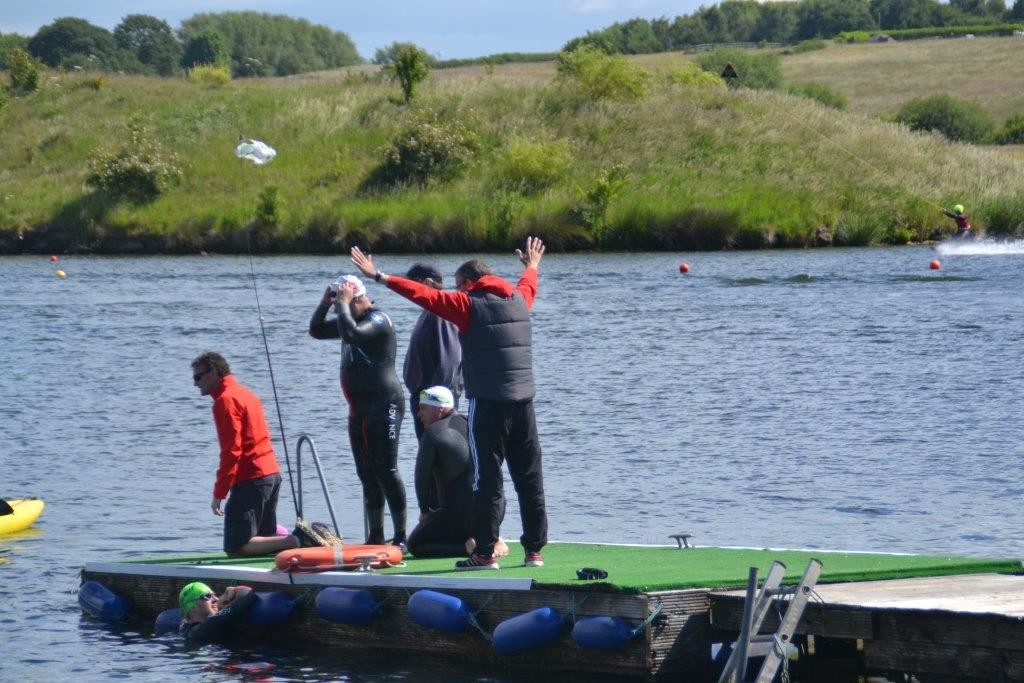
x=346, y=292
x=364, y=262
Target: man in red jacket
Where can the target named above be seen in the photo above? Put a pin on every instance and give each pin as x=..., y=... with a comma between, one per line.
x=493, y=319
x=248, y=469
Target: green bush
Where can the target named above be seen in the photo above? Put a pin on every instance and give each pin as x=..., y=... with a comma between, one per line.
x=597, y=199
x=816, y=91
x=527, y=166
x=429, y=149
x=956, y=119
x=210, y=75
x=761, y=71
x=1004, y=216
x=602, y=76
x=410, y=65
x=854, y=37
x=24, y=70
x=269, y=207
x=690, y=75
x=1012, y=132
x=806, y=46
x=139, y=171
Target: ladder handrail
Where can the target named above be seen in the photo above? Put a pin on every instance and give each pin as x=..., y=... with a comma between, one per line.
x=306, y=438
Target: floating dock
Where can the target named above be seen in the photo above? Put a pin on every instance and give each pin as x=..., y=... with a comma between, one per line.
x=897, y=606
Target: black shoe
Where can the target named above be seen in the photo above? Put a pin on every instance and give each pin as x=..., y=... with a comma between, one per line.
x=326, y=535
x=399, y=541
x=307, y=538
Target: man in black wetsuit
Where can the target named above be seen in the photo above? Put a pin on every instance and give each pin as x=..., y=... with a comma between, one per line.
x=207, y=618
x=444, y=467
x=375, y=398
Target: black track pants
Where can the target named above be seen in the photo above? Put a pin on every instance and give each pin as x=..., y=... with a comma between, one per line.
x=506, y=431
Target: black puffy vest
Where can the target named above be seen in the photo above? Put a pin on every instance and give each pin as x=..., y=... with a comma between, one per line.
x=497, y=356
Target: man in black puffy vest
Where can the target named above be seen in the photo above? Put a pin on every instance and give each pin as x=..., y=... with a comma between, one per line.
x=493, y=319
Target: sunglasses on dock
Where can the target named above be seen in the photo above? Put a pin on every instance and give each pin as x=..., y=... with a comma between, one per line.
x=590, y=574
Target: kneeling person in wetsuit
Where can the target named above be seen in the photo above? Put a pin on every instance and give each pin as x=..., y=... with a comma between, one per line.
x=207, y=618
x=443, y=463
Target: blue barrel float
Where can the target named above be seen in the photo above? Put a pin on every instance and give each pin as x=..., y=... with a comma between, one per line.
x=602, y=633
x=99, y=601
x=271, y=608
x=439, y=611
x=528, y=631
x=346, y=605
x=167, y=621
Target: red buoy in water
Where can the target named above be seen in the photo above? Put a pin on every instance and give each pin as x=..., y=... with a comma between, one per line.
x=53, y=259
x=935, y=265
x=684, y=267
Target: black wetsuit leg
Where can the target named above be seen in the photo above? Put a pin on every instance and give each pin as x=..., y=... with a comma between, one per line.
x=379, y=434
x=442, y=534
x=373, y=494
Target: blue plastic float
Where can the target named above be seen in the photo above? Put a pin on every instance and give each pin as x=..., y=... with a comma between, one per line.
x=271, y=608
x=528, y=631
x=602, y=633
x=346, y=605
x=99, y=601
x=167, y=621
x=439, y=611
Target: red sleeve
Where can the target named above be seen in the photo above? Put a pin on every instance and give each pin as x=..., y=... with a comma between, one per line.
x=229, y=433
x=528, y=283
x=452, y=306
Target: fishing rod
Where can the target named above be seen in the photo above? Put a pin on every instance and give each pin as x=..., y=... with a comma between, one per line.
x=261, y=158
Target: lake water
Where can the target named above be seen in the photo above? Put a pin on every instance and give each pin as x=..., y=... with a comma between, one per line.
x=843, y=399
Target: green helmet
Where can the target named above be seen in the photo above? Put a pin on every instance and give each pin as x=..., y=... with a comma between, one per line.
x=190, y=594
x=959, y=208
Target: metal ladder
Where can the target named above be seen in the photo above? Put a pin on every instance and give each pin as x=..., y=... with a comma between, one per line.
x=306, y=438
x=770, y=646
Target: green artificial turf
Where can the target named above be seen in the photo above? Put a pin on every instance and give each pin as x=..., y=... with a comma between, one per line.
x=639, y=569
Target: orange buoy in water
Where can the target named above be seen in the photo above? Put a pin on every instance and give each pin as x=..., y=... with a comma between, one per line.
x=684, y=267
x=53, y=259
x=935, y=265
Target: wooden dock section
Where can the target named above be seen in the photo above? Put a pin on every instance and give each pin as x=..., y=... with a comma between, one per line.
x=948, y=619
x=946, y=628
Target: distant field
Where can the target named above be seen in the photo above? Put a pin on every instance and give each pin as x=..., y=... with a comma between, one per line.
x=878, y=78
x=697, y=168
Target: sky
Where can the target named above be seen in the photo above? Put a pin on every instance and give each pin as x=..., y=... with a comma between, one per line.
x=448, y=29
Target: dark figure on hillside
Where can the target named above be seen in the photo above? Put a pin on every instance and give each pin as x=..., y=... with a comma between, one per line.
x=963, y=223
x=434, y=357
x=493, y=319
x=375, y=400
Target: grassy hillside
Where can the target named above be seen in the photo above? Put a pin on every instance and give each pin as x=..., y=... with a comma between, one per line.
x=877, y=78
x=700, y=168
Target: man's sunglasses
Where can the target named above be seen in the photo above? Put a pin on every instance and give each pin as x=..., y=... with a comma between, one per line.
x=196, y=376
x=591, y=573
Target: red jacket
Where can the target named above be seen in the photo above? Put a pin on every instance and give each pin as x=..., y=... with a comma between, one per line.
x=454, y=306
x=245, y=449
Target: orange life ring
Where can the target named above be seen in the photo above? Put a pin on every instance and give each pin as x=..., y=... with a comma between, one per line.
x=323, y=558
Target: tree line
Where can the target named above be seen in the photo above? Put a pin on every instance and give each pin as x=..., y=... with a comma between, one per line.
x=748, y=21
x=247, y=43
